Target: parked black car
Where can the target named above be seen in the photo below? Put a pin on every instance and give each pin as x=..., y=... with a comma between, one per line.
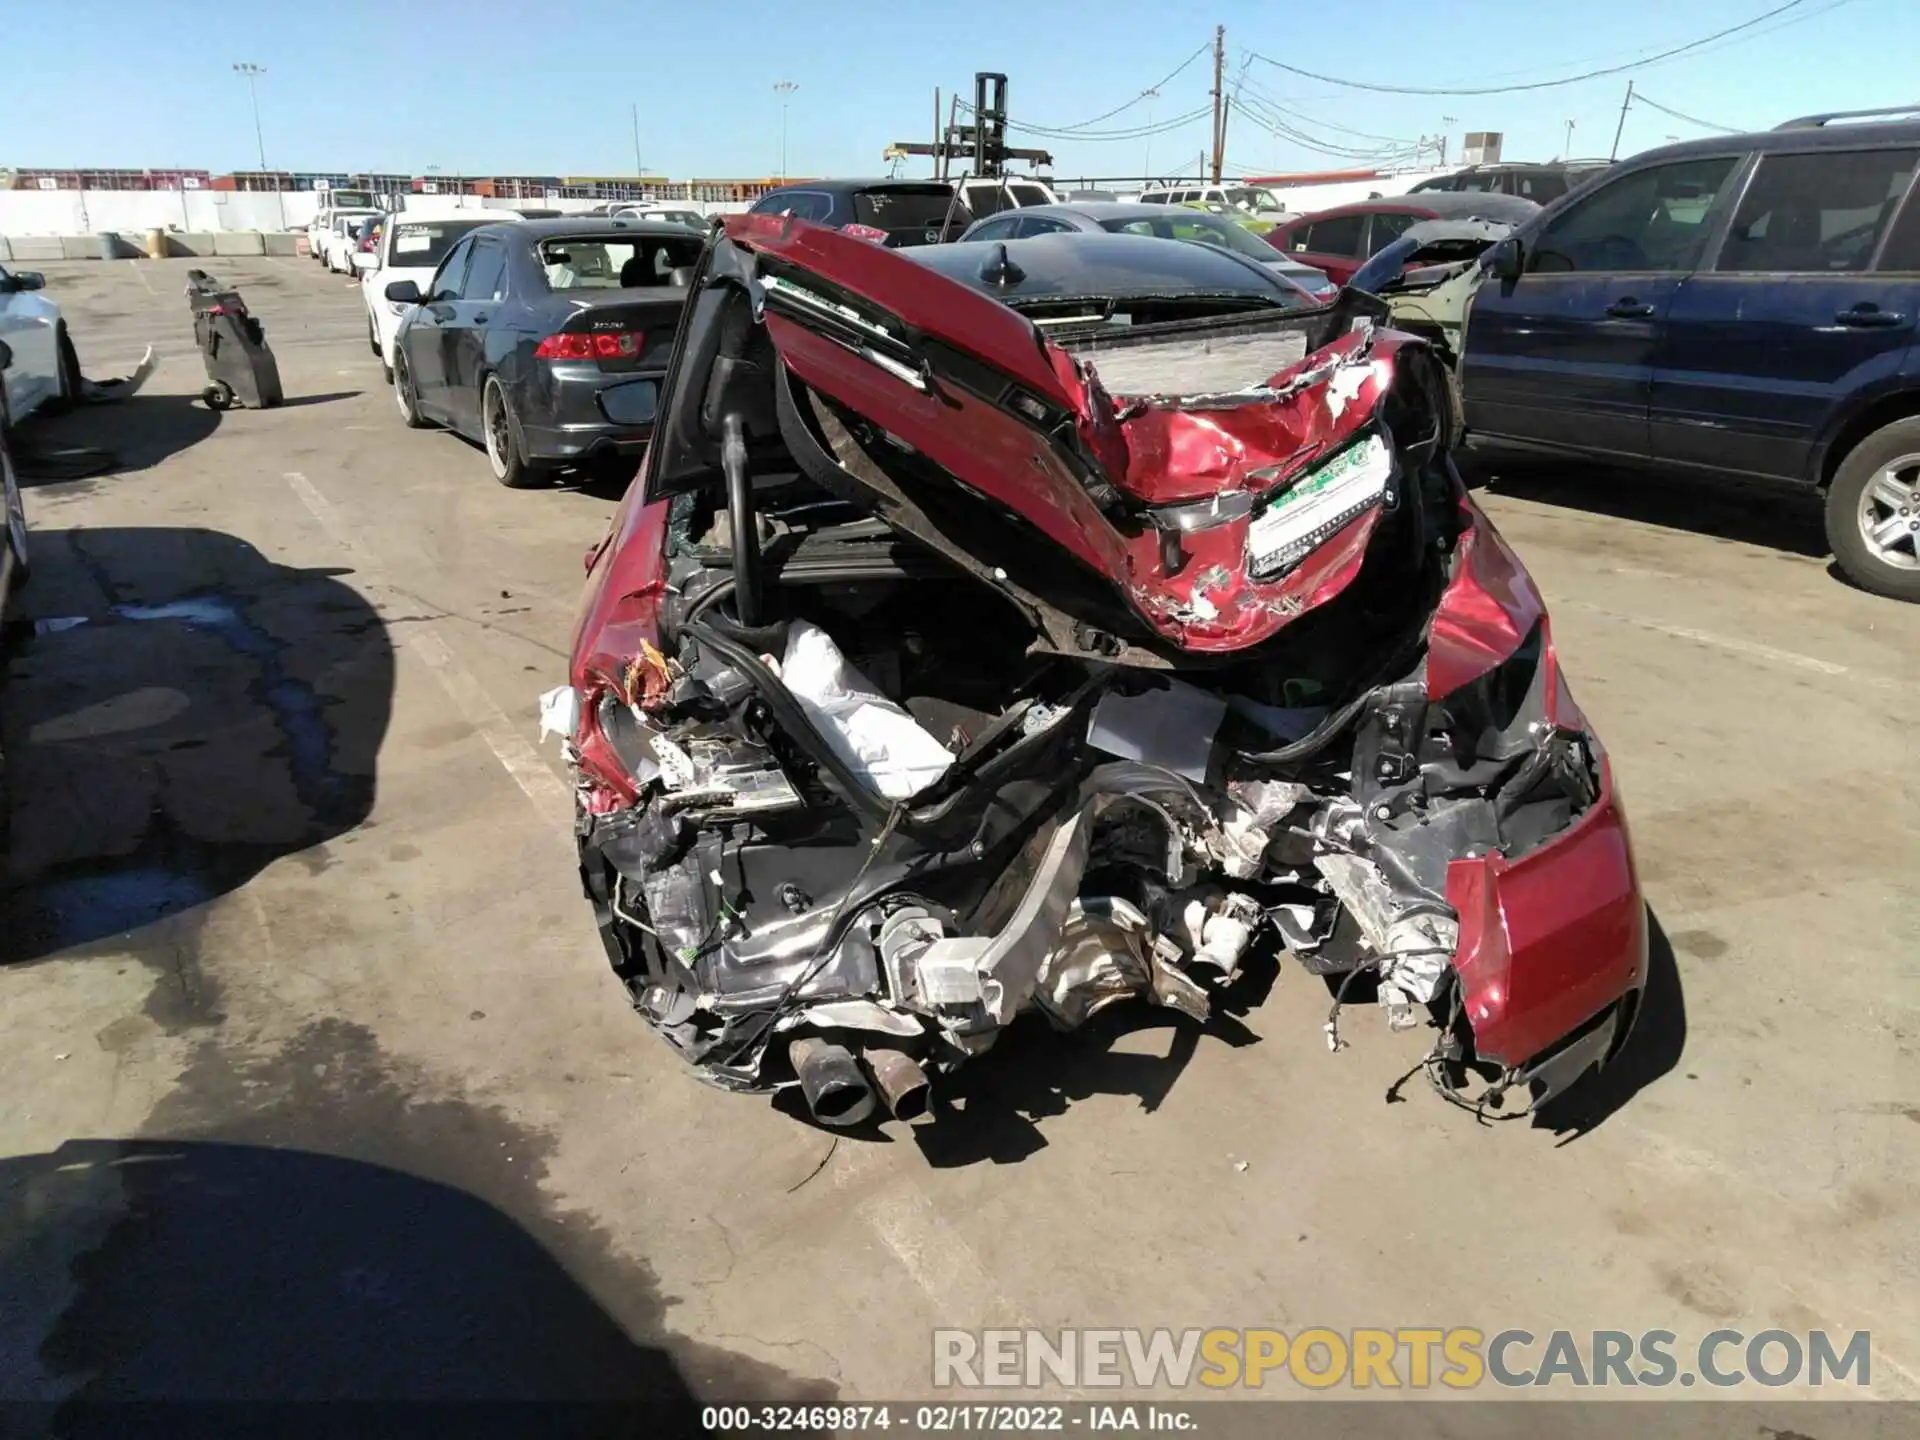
x=1542, y=184
x=545, y=340
x=893, y=212
x=1744, y=305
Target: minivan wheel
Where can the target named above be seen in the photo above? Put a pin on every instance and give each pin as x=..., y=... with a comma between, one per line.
x=1873, y=512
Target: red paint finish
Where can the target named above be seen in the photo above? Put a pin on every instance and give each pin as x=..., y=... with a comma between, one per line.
x=1484, y=613
x=619, y=609
x=1292, y=241
x=1549, y=940
x=1207, y=602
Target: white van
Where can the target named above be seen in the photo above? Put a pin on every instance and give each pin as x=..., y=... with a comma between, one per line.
x=986, y=197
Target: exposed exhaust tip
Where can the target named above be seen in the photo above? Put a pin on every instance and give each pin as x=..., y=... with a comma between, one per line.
x=901, y=1082
x=837, y=1093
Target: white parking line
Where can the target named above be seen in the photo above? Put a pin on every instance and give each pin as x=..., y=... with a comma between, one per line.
x=941, y=1262
x=516, y=754
x=143, y=277
x=1751, y=649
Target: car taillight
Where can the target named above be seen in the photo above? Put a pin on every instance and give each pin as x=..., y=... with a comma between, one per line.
x=599, y=345
x=865, y=232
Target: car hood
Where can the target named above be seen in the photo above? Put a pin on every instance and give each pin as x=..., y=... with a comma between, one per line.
x=1213, y=479
x=1430, y=243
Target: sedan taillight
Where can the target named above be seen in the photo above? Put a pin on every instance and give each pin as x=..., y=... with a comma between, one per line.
x=598, y=345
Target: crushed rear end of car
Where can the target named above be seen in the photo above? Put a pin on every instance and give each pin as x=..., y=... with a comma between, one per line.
x=952, y=664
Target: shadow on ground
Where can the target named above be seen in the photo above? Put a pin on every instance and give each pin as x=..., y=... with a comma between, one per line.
x=177, y=712
x=317, y=1221
x=1753, y=514
x=992, y=1109
x=1654, y=1048
x=100, y=441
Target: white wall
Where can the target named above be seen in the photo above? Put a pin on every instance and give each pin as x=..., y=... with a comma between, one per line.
x=86, y=212
x=133, y=212
x=1306, y=199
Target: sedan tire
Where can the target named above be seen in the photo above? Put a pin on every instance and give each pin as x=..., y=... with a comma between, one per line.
x=506, y=450
x=403, y=393
x=1873, y=512
x=69, y=367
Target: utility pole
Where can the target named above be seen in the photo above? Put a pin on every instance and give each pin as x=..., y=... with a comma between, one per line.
x=1447, y=123
x=638, y=168
x=1614, y=154
x=252, y=73
x=1567, y=154
x=1147, y=164
x=1219, y=64
x=784, y=89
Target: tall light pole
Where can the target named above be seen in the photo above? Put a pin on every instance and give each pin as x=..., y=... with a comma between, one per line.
x=1567, y=154
x=253, y=72
x=1447, y=122
x=784, y=89
x=1147, y=164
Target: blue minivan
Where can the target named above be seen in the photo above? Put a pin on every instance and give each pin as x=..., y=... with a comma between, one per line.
x=1744, y=305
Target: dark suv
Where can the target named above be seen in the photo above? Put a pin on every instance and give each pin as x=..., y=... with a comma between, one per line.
x=1743, y=305
x=1542, y=184
x=893, y=212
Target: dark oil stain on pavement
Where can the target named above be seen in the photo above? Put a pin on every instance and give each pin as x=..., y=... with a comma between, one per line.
x=284, y=679
x=315, y=1221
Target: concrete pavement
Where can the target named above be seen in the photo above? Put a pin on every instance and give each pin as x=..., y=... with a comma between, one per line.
x=306, y=1037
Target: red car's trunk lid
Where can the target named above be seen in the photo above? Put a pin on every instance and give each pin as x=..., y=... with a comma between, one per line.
x=1218, y=516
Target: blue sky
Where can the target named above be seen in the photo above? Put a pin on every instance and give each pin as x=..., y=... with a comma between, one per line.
x=484, y=86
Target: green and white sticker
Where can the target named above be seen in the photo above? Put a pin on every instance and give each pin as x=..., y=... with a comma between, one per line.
x=1318, y=504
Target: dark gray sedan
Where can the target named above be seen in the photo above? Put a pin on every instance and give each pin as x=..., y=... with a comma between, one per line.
x=545, y=341
x=1162, y=221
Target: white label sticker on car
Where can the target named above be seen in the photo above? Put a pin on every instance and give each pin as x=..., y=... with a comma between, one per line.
x=1319, y=503
x=405, y=244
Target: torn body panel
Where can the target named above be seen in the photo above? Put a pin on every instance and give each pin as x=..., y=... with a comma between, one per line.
x=1148, y=726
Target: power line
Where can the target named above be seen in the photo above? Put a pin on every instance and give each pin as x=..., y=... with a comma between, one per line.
x=1272, y=102
x=1641, y=99
x=1124, y=105
x=1537, y=84
x=1138, y=132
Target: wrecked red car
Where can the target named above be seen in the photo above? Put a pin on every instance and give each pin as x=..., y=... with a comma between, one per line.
x=1004, y=628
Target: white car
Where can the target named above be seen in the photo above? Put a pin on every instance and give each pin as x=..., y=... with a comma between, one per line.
x=692, y=219
x=989, y=197
x=13, y=544
x=44, y=366
x=411, y=249
x=338, y=241
x=1254, y=200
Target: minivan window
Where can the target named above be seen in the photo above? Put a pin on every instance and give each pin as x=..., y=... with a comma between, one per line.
x=1539, y=188
x=1903, y=246
x=1821, y=212
x=1651, y=220
x=1337, y=236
